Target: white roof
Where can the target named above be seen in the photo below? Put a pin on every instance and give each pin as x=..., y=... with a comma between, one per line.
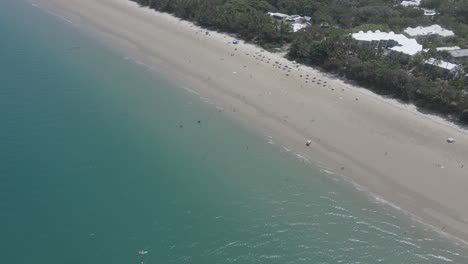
x=278, y=15
x=411, y=3
x=406, y=45
x=294, y=18
x=298, y=26
x=447, y=48
x=442, y=64
x=430, y=30
x=429, y=12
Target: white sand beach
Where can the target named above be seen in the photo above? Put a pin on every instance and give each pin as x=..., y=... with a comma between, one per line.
x=388, y=149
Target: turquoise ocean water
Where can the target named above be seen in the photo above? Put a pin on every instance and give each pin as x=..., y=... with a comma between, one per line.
x=102, y=161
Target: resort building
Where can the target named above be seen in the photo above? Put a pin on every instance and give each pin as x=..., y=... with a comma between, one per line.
x=447, y=69
x=448, y=48
x=388, y=40
x=279, y=16
x=428, y=31
x=411, y=3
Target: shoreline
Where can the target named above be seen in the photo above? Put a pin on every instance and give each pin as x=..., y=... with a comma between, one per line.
x=388, y=149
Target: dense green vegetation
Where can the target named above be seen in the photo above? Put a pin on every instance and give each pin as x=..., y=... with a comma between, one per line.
x=247, y=18
x=331, y=48
x=393, y=76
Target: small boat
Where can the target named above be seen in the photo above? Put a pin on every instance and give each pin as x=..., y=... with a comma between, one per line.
x=308, y=142
x=142, y=252
x=450, y=140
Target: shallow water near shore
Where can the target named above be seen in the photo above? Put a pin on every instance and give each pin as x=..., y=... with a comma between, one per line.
x=102, y=161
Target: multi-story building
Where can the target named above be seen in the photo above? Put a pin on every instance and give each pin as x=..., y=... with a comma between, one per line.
x=444, y=69
x=388, y=40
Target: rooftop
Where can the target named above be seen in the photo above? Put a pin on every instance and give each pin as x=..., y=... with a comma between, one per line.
x=406, y=45
x=298, y=26
x=411, y=3
x=294, y=17
x=280, y=15
x=429, y=12
x=447, y=48
x=443, y=49
x=442, y=64
x=459, y=53
x=430, y=30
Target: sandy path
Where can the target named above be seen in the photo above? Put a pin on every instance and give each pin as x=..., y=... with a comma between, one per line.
x=387, y=148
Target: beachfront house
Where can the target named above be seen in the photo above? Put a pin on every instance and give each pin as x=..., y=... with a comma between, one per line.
x=442, y=69
x=297, y=22
x=289, y=18
x=395, y=43
x=434, y=30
